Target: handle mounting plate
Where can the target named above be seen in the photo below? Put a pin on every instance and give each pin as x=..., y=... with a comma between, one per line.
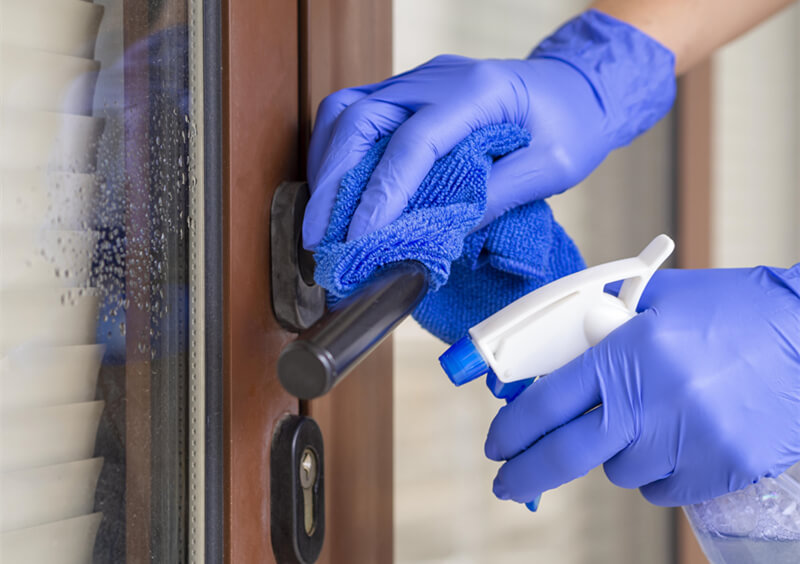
x=296, y=300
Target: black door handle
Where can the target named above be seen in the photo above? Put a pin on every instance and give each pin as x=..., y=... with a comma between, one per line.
x=322, y=355
x=325, y=352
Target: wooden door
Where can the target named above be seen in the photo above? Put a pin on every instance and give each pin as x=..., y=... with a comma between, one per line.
x=278, y=60
x=694, y=219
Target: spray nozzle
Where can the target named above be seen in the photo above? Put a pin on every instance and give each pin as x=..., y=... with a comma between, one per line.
x=462, y=362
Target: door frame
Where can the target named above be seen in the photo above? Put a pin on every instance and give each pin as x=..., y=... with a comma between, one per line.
x=693, y=194
x=277, y=60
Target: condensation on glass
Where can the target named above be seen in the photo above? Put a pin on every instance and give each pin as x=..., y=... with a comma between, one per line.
x=96, y=181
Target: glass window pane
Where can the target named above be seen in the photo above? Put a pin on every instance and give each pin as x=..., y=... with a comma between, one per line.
x=96, y=166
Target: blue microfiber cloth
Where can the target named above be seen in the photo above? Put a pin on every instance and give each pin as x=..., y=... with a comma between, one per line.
x=471, y=276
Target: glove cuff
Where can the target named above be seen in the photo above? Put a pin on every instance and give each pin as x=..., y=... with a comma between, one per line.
x=789, y=277
x=632, y=74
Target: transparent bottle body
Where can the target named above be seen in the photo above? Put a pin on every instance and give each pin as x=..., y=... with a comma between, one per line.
x=759, y=524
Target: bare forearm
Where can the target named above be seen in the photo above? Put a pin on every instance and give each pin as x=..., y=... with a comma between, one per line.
x=692, y=29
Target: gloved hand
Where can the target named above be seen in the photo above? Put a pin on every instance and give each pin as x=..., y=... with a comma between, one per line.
x=698, y=396
x=591, y=87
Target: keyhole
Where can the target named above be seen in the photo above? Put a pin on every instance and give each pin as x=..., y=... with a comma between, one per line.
x=308, y=477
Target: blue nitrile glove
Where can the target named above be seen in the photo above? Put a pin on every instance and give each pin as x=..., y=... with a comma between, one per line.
x=698, y=396
x=591, y=87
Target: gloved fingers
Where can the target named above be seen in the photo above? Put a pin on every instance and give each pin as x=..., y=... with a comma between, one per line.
x=328, y=112
x=356, y=130
x=408, y=87
x=662, y=493
x=656, y=287
x=565, y=454
x=519, y=178
x=428, y=135
x=636, y=466
x=545, y=405
x=664, y=283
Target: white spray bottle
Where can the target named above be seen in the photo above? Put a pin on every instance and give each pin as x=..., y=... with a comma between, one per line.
x=547, y=328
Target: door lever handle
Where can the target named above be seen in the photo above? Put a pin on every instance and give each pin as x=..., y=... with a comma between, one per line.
x=321, y=356
x=330, y=343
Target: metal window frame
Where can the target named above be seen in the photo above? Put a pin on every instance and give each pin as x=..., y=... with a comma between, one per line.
x=206, y=456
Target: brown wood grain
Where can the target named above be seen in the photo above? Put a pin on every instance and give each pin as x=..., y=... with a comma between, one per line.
x=694, y=217
x=260, y=109
x=694, y=167
x=356, y=422
x=347, y=43
x=267, y=125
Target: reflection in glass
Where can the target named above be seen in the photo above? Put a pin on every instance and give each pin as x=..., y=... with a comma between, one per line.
x=94, y=263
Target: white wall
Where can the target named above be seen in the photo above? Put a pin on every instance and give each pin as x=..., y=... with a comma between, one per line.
x=756, y=163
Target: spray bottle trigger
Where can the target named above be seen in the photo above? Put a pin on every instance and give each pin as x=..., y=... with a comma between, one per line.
x=651, y=259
